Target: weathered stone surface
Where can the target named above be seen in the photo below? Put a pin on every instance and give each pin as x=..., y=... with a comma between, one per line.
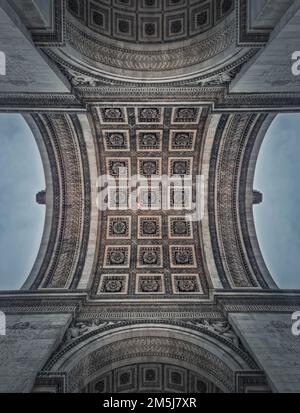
x=29, y=341
x=268, y=337
x=27, y=69
x=35, y=13
x=270, y=71
x=147, y=293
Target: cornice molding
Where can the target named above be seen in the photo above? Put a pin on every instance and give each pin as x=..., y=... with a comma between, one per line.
x=84, y=308
x=218, y=97
x=154, y=61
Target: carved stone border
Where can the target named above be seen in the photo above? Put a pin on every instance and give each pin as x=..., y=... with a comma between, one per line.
x=234, y=140
x=244, y=38
x=157, y=349
x=81, y=77
x=55, y=38
x=40, y=103
x=87, y=43
x=48, y=382
x=78, y=302
x=69, y=234
x=251, y=382
x=217, y=97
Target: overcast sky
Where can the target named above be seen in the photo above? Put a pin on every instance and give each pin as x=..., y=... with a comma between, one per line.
x=21, y=219
x=277, y=218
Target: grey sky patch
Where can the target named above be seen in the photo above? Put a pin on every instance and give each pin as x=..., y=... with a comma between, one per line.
x=21, y=219
x=277, y=219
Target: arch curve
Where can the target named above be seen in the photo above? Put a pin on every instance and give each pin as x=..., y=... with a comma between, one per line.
x=119, y=345
x=98, y=52
x=62, y=139
x=237, y=138
x=49, y=201
x=249, y=165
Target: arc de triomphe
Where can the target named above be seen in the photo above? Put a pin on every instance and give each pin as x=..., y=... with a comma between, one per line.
x=132, y=299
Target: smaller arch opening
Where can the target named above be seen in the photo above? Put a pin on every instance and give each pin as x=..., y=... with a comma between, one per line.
x=277, y=218
x=21, y=217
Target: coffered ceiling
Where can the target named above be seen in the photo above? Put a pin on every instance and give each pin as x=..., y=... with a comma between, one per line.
x=149, y=238
x=150, y=21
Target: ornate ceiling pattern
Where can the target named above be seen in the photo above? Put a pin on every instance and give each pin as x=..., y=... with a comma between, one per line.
x=192, y=350
x=150, y=240
x=147, y=242
x=136, y=40
x=151, y=378
x=147, y=289
x=157, y=61
x=150, y=21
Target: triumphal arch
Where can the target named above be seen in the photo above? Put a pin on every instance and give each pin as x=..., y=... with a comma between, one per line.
x=141, y=295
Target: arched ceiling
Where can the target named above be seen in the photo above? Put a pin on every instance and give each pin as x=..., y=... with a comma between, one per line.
x=150, y=40
x=149, y=244
x=149, y=241
x=201, y=353
x=151, y=378
x=148, y=22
